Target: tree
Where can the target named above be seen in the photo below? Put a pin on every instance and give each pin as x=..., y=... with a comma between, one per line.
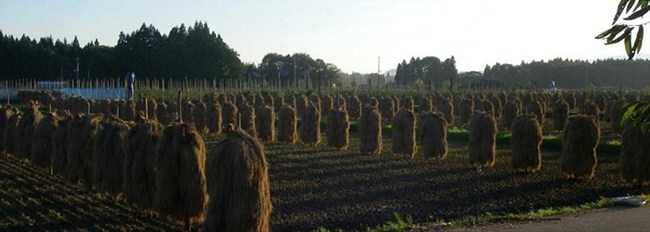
x=622, y=30
x=449, y=69
x=637, y=113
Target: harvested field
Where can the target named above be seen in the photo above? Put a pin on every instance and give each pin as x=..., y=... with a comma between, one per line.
x=33, y=200
x=314, y=187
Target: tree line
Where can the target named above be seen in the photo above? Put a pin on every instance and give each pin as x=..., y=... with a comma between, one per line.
x=429, y=70
x=294, y=70
x=193, y=52
x=572, y=74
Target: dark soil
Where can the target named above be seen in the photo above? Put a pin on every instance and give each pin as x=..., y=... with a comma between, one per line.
x=318, y=187
x=33, y=200
x=314, y=187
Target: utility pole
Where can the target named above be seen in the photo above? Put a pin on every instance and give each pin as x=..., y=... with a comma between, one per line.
x=378, y=65
x=279, y=67
x=586, y=76
x=295, y=78
x=77, y=70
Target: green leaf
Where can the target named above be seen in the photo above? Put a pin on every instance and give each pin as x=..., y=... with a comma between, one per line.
x=638, y=14
x=621, y=37
x=639, y=40
x=628, y=113
x=629, y=6
x=628, y=46
x=642, y=3
x=615, y=31
x=604, y=33
x=619, y=10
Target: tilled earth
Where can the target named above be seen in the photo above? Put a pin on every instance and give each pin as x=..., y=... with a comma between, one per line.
x=33, y=200
x=315, y=187
x=319, y=187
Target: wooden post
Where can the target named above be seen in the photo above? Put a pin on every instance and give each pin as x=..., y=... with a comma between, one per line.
x=180, y=106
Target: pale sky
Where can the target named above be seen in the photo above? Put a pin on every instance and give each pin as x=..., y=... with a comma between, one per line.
x=348, y=33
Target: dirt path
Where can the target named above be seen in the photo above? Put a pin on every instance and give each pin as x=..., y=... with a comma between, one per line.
x=606, y=219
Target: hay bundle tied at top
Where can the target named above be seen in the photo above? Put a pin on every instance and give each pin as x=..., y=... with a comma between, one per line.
x=152, y=109
x=104, y=107
x=616, y=115
x=387, y=108
x=127, y=111
x=187, y=111
x=200, y=116
x=302, y=102
x=8, y=112
x=590, y=108
x=310, y=125
x=482, y=139
x=498, y=106
x=432, y=135
x=403, y=132
x=290, y=100
x=327, y=104
x=570, y=98
x=238, y=185
x=599, y=100
x=315, y=99
x=180, y=190
x=287, y=125
x=560, y=114
x=259, y=101
x=370, y=132
x=163, y=114
x=338, y=126
x=60, y=145
x=536, y=108
x=42, y=148
x=139, y=170
x=222, y=98
x=635, y=155
x=446, y=107
x=278, y=102
x=229, y=114
x=488, y=107
x=408, y=103
x=214, y=120
x=265, y=123
x=269, y=101
x=465, y=110
x=396, y=103
x=108, y=157
x=82, y=131
x=247, y=119
x=425, y=105
x=511, y=111
x=578, y=158
x=25, y=130
x=525, y=143
x=353, y=106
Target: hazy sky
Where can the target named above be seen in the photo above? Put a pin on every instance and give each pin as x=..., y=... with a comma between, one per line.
x=348, y=33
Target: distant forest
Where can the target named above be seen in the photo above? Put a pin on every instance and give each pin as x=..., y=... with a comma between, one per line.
x=572, y=74
x=197, y=52
x=184, y=52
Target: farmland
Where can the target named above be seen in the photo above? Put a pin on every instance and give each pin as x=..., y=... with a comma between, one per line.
x=319, y=187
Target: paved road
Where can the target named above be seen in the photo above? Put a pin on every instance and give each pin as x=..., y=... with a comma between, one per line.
x=606, y=219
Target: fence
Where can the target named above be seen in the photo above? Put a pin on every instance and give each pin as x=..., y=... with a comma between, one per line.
x=114, y=88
